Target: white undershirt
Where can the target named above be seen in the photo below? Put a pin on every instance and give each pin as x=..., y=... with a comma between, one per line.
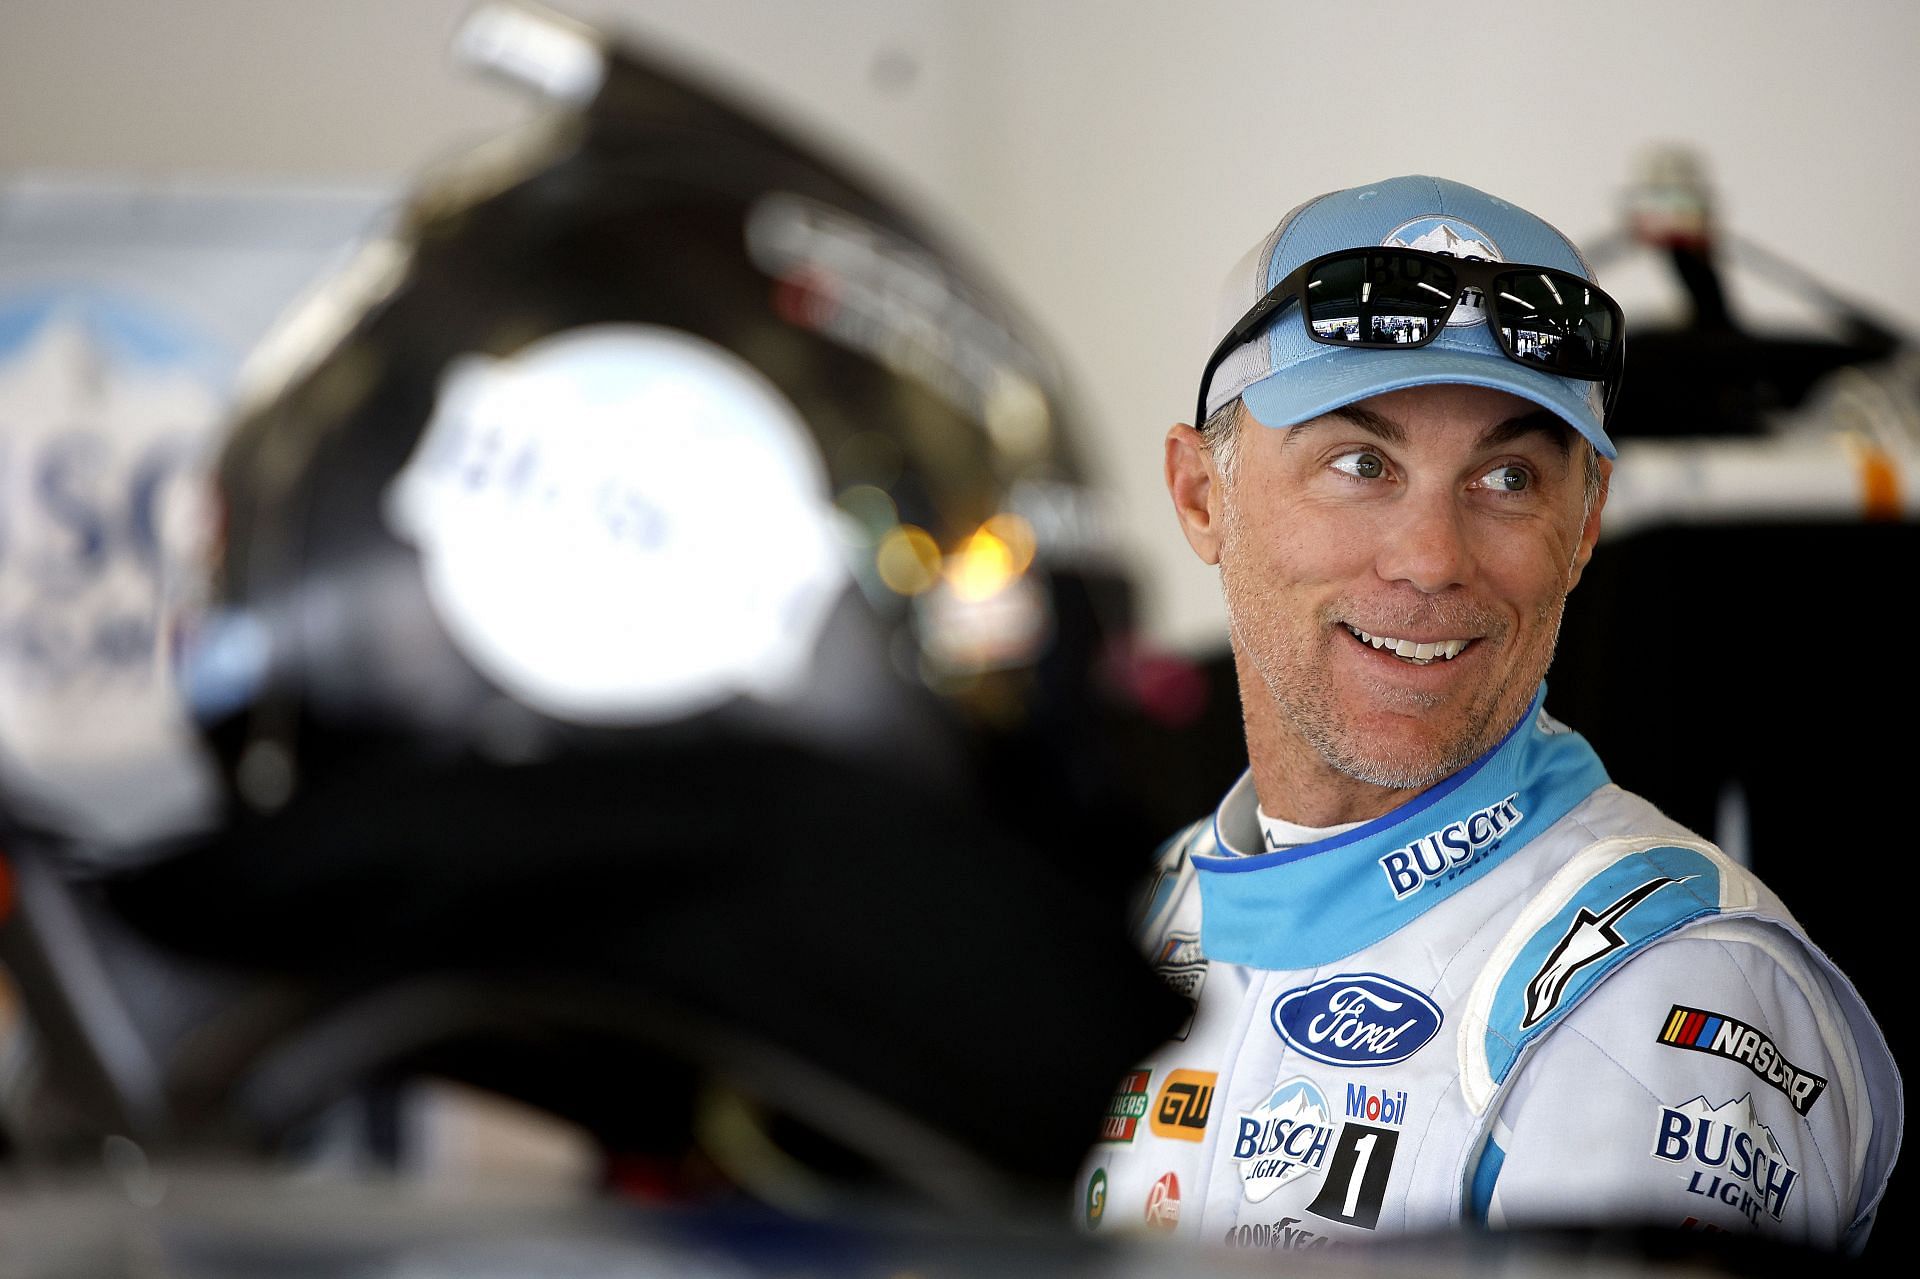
x=1277, y=834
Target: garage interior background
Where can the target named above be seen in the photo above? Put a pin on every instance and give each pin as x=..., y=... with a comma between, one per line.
x=1106, y=161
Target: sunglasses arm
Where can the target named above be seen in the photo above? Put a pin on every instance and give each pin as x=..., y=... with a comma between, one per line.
x=1242, y=332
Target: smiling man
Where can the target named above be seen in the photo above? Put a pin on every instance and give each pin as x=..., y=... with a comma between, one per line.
x=1445, y=971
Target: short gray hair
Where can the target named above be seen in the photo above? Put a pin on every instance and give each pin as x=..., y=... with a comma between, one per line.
x=1221, y=434
x=1591, y=464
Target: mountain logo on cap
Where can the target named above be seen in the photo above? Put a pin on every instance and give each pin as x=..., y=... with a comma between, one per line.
x=1455, y=239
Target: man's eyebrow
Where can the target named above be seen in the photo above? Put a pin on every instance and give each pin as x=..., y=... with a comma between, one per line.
x=1538, y=422
x=1372, y=423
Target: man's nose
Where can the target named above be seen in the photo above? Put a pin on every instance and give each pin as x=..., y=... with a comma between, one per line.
x=1426, y=543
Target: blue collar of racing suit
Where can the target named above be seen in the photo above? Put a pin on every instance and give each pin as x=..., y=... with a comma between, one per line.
x=1306, y=906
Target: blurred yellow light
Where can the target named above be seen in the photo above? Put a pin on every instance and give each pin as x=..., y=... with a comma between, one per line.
x=981, y=566
x=1018, y=536
x=999, y=551
x=908, y=560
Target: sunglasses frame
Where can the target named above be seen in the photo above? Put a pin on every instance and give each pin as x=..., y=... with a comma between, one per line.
x=1469, y=273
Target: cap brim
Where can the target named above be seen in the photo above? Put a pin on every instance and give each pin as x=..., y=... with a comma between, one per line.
x=1335, y=378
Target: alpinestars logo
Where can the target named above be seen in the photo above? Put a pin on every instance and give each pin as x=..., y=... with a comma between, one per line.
x=1589, y=938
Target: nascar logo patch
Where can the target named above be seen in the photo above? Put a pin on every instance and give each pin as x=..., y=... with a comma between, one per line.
x=1718, y=1035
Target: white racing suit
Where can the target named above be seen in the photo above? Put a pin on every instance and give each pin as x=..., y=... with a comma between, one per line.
x=1525, y=997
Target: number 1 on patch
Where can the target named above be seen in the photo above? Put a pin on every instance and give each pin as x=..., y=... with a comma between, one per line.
x=1356, y=1183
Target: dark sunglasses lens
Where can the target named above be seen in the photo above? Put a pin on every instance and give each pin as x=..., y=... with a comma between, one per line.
x=1556, y=321
x=1379, y=298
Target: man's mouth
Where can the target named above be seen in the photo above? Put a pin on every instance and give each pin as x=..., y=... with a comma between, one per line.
x=1416, y=652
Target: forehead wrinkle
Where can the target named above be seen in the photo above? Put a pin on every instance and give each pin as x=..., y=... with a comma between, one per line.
x=1541, y=422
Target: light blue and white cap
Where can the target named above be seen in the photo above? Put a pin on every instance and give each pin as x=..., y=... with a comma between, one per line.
x=1285, y=378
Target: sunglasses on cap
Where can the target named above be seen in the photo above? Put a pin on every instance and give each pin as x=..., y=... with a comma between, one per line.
x=1391, y=299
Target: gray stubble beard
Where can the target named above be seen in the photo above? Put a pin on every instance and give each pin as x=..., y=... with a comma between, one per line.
x=1311, y=712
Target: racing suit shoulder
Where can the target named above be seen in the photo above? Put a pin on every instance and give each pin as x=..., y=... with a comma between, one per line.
x=1723, y=1076
x=1169, y=872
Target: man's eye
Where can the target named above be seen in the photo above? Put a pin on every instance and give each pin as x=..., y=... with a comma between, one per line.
x=1507, y=479
x=1366, y=466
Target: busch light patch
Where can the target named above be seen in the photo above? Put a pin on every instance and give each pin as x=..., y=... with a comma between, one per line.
x=1451, y=849
x=1184, y=969
x=1284, y=1138
x=1125, y=1110
x=1450, y=237
x=1356, y=1019
x=1719, y=1035
x=1727, y=1155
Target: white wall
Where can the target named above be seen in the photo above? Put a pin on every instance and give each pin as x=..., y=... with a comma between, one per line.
x=1109, y=159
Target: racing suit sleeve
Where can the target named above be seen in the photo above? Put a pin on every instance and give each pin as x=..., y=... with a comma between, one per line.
x=1712, y=1082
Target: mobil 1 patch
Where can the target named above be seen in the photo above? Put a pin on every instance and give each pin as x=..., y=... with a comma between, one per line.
x=1719, y=1035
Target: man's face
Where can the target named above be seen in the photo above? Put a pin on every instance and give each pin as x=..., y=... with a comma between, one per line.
x=1395, y=574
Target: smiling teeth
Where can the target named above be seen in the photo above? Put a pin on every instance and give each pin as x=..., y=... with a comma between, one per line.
x=1418, y=654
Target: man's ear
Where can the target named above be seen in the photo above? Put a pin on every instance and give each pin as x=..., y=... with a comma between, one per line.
x=1590, y=533
x=1196, y=490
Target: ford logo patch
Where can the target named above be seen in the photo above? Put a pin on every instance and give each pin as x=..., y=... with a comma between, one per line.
x=1357, y=1019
